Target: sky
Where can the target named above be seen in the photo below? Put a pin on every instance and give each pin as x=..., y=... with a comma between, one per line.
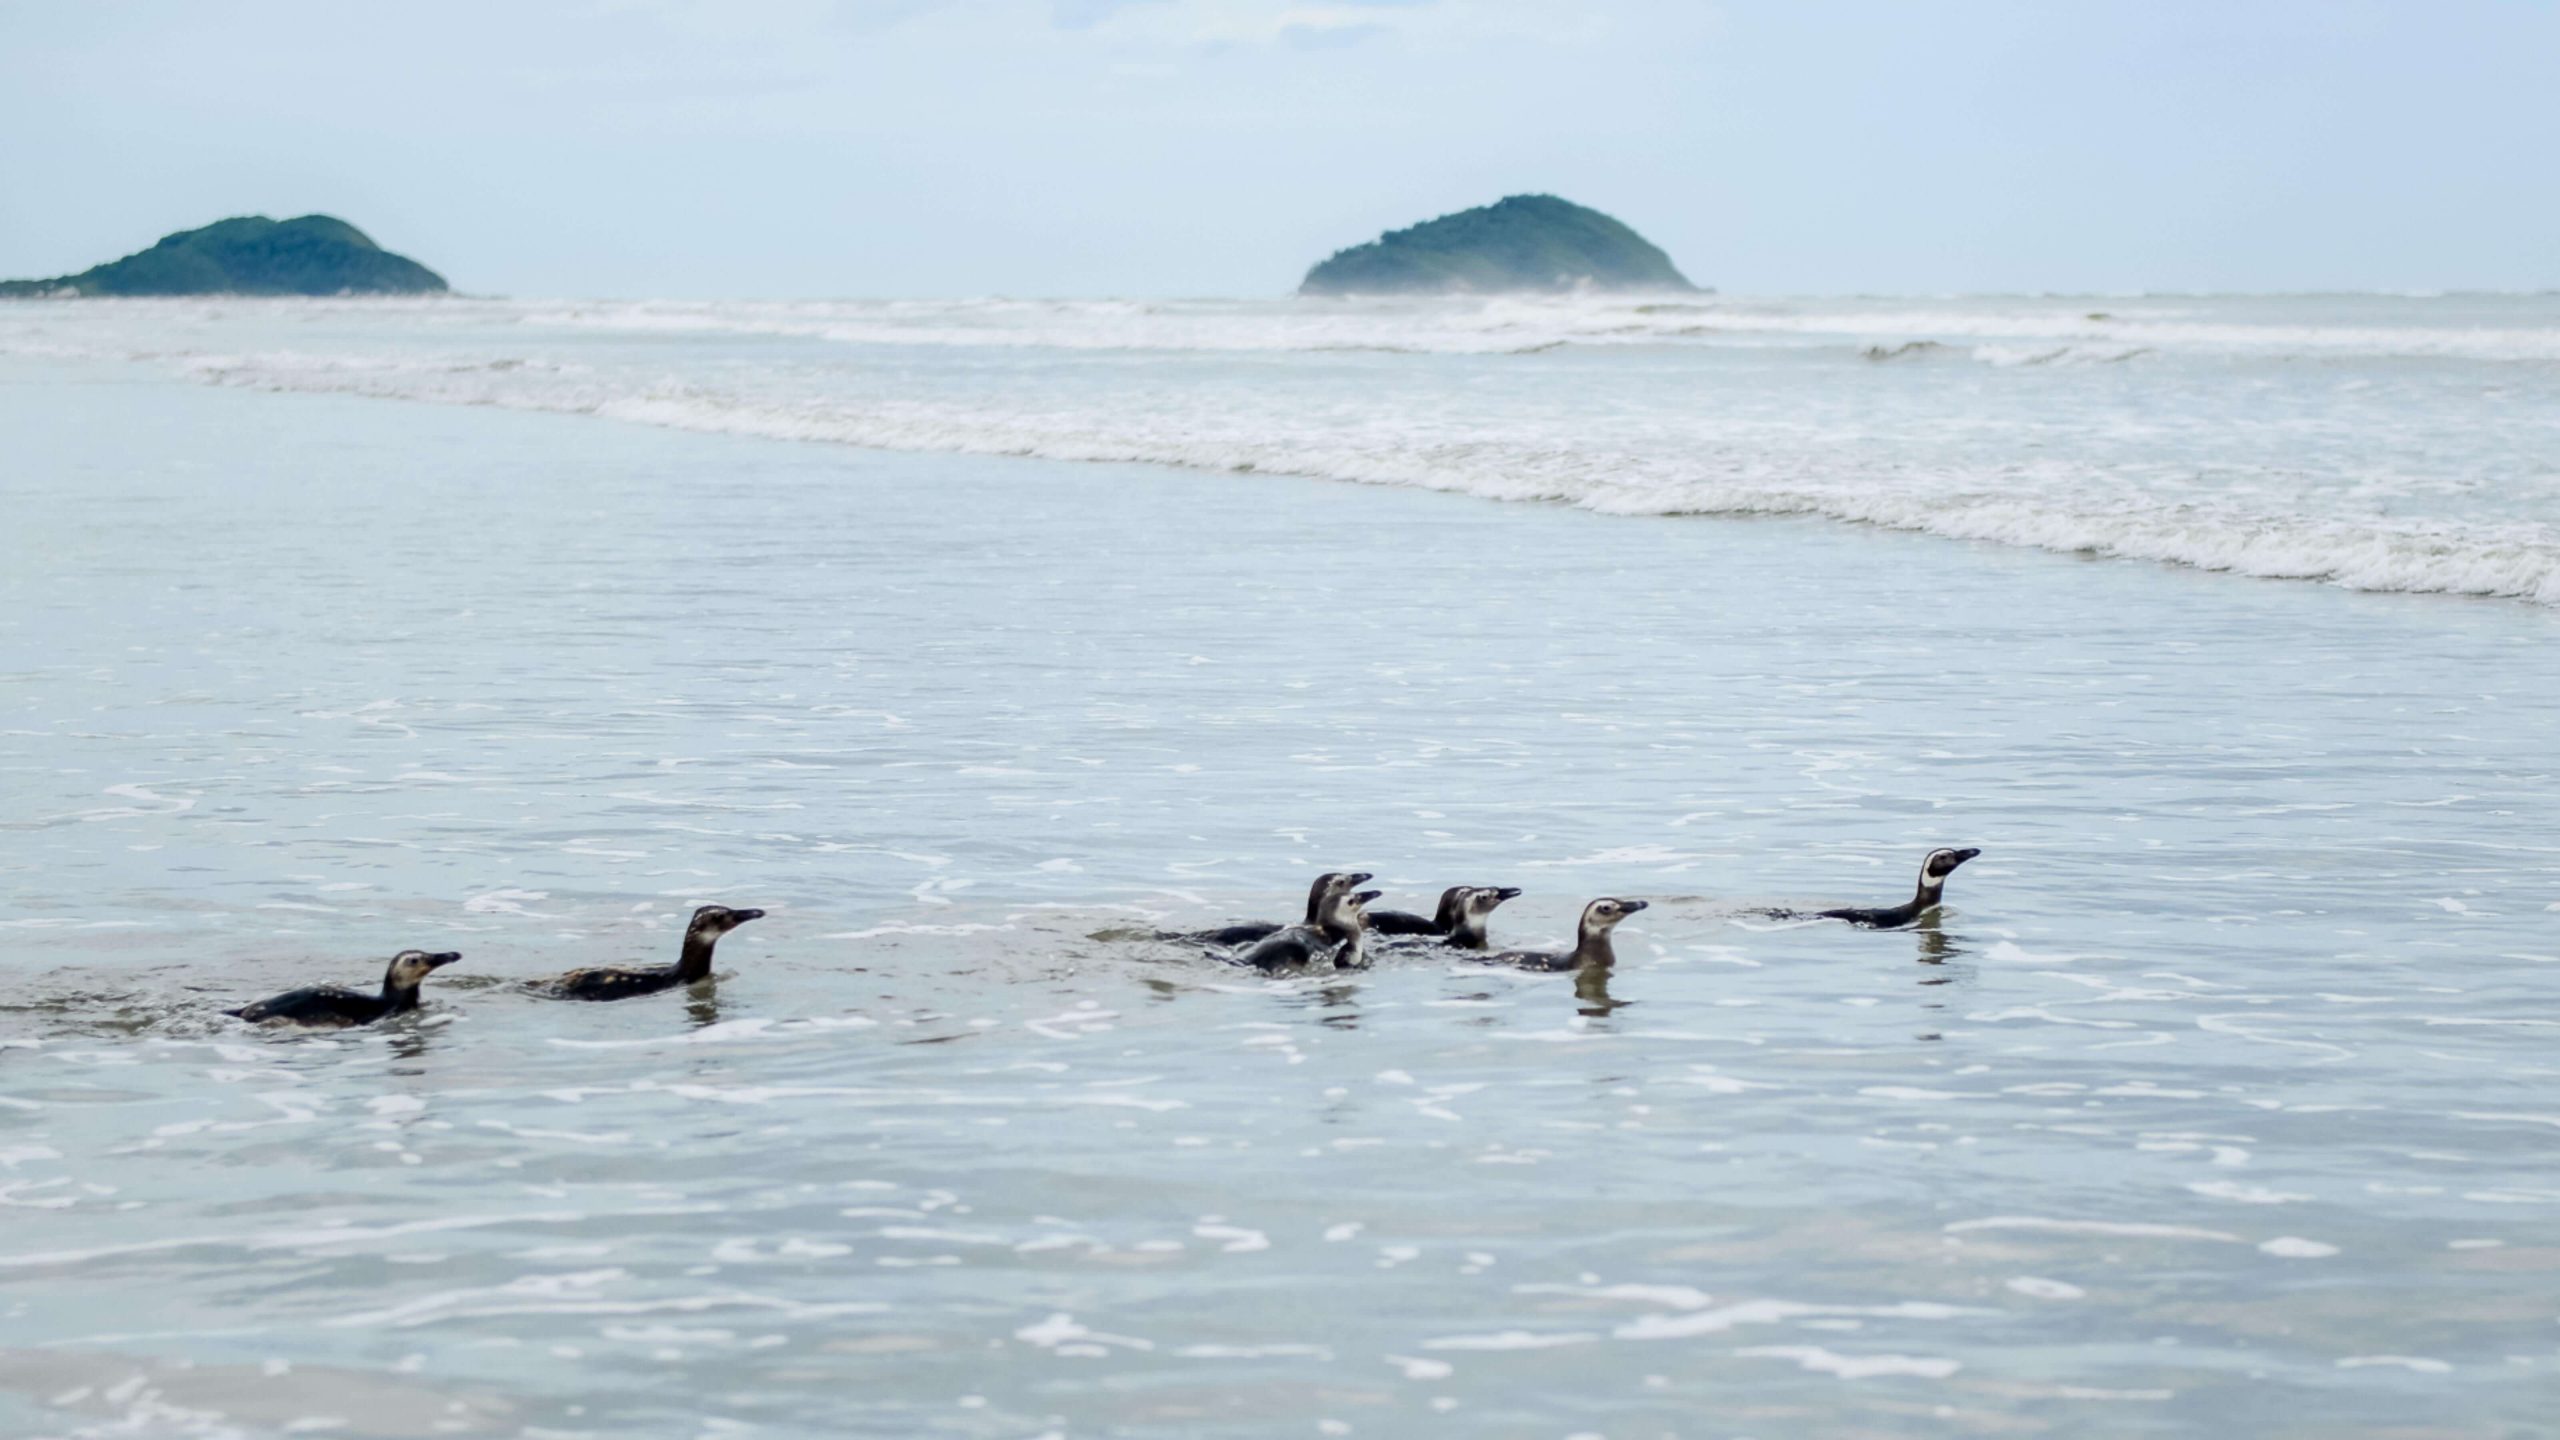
x=1149, y=148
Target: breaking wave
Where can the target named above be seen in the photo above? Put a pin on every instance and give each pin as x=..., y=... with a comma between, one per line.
x=1999, y=332
x=2371, y=443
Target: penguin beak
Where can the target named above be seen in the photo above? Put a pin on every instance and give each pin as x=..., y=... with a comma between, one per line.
x=1365, y=896
x=1962, y=856
x=1632, y=906
x=1358, y=877
x=741, y=917
x=443, y=958
x=1507, y=892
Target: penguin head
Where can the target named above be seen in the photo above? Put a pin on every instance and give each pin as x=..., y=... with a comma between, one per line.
x=1482, y=899
x=1941, y=864
x=1602, y=915
x=713, y=921
x=1343, y=912
x=411, y=966
x=1327, y=889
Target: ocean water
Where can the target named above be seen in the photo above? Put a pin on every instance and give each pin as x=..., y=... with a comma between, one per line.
x=2398, y=444
x=2222, y=1100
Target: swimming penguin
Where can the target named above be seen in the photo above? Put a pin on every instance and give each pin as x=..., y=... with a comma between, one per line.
x=1445, y=923
x=692, y=967
x=1325, y=889
x=1933, y=882
x=1405, y=922
x=337, y=1005
x=1340, y=938
x=1459, y=922
x=1475, y=913
x=1591, y=948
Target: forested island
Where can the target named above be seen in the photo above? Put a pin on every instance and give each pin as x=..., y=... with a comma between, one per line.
x=1521, y=242
x=249, y=255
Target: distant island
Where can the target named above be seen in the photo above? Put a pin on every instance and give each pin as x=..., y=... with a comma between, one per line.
x=1521, y=242
x=250, y=255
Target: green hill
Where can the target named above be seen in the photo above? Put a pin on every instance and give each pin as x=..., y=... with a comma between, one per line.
x=1522, y=242
x=251, y=255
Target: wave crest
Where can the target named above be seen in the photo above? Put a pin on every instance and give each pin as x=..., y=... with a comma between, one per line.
x=2354, y=472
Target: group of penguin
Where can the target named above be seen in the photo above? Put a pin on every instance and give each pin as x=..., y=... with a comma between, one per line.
x=1335, y=932
x=334, y=1005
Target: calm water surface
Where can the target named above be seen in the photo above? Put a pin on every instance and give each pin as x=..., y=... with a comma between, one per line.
x=2224, y=1100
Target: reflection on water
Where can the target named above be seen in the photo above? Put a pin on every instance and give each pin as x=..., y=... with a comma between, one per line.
x=1340, y=1001
x=1935, y=949
x=1591, y=987
x=702, y=1005
x=2230, y=1110
x=409, y=1042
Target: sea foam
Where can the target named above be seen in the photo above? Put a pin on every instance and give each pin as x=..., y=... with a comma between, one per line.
x=2369, y=443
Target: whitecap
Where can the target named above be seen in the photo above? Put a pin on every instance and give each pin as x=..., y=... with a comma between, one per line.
x=2142, y=1229
x=1855, y=1367
x=2233, y=1190
x=2043, y=1289
x=1511, y=1340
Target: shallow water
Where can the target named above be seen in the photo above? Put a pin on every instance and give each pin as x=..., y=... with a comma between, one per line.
x=2389, y=443
x=2221, y=1102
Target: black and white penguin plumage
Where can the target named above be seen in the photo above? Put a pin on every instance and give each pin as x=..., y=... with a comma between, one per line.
x=334, y=1005
x=1459, y=920
x=1405, y=922
x=1459, y=923
x=1340, y=939
x=1933, y=884
x=1591, y=949
x=1321, y=893
x=1475, y=913
x=692, y=967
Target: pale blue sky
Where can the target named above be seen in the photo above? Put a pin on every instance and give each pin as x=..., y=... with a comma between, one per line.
x=1197, y=147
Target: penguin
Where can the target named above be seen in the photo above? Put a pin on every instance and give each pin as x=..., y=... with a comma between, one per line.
x=1405, y=922
x=1325, y=889
x=1459, y=923
x=1475, y=914
x=1933, y=882
x=1340, y=938
x=336, y=1005
x=692, y=967
x=1591, y=948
